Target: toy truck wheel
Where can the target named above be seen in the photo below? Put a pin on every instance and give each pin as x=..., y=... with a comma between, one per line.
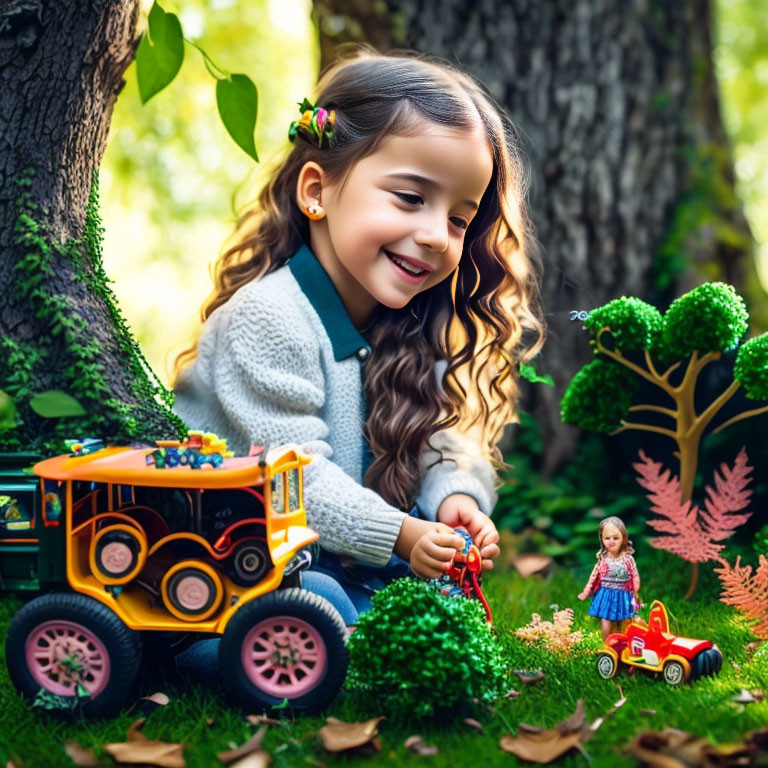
x=192, y=590
x=62, y=643
x=117, y=554
x=289, y=645
x=707, y=662
x=250, y=562
x=674, y=673
x=606, y=666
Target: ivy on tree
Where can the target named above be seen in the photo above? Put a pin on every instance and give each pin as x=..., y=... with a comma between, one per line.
x=633, y=341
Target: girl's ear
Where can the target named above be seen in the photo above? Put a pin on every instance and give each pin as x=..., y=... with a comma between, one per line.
x=309, y=186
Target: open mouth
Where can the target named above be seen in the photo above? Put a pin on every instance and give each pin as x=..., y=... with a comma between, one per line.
x=404, y=266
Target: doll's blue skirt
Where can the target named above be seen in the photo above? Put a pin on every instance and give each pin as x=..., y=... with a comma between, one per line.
x=612, y=604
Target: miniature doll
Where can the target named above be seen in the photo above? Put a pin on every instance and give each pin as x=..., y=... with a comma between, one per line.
x=614, y=581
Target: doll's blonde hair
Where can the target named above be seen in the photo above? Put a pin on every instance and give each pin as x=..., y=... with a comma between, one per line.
x=618, y=523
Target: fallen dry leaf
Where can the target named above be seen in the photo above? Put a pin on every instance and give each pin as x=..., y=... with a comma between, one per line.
x=530, y=675
x=750, y=648
x=647, y=711
x=417, y=744
x=677, y=749
x=543, y=745
x=744, y=697
x=529, y=564
x=262, y=719
x=588, y=733
x=338, y=736
x=511, y=694
x=252, y=745
x=81, y=756
x=257, y=759
x=138, y=749
x=159, y=698
x=472, y=723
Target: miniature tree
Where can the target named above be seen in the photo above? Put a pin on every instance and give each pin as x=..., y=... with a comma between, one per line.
x=633, y=341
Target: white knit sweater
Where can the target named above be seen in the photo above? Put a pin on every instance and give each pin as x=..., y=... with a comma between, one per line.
x=267, y=373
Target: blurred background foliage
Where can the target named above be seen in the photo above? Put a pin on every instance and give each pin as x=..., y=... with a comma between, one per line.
x=172, y=181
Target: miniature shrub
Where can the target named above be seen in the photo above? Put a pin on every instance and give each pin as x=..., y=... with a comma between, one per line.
x=599, y=396
x=710, y=318
x=416, y=651
x=751, y=367
x=633, y=323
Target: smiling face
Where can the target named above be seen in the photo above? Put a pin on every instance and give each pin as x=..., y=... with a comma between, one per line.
x=612, y=538
x=396, y=226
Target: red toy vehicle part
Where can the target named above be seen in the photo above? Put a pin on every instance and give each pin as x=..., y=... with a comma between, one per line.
x=654, y=648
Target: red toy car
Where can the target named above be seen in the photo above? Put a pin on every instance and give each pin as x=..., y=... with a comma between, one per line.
x=654, y=648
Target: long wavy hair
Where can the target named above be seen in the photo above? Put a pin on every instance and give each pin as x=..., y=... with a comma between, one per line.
x=482, y=320
x=618, y=523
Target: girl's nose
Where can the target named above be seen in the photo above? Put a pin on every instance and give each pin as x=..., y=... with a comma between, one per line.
x=433, y=235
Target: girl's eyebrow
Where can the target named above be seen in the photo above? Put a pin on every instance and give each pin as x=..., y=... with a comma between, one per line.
x=427, y=182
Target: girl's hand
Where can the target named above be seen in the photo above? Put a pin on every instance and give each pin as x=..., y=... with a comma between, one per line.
x=461, y=510
x=583, y=595
x=434, y=550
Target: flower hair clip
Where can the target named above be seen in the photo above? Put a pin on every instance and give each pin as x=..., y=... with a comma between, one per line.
x=315, y=125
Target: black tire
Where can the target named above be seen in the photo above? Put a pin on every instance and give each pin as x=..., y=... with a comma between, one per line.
x=309, y=609
x=250, y=562
x=705, y=663
x=129, y=540
x=122, y=645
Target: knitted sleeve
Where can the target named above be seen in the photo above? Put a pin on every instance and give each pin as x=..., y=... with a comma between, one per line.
x=461, y=469
x=266, y=376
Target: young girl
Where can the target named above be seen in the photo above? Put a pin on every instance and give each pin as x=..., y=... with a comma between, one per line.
x=374, y=308
x=614, y=580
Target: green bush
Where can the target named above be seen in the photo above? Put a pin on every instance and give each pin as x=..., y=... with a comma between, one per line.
x=633, y=323
x=417, y=651
x=751, y=367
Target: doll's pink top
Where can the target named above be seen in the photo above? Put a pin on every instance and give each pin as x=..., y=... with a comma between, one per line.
x=619, y=573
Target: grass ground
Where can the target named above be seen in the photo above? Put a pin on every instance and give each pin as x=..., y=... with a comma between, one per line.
x=199, y=717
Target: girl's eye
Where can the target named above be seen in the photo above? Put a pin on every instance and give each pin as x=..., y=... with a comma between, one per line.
x=408, y=198
x=460, y=223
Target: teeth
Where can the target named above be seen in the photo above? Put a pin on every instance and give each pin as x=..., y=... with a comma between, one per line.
x=407, y=267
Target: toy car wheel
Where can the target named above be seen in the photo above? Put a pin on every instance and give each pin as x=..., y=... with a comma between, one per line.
x=63, y=644
x=250, y=562
x=674, y=673
x=606, y=666
x=707, y=662
x=117, y=554
x=288, y=644
x=192, y=590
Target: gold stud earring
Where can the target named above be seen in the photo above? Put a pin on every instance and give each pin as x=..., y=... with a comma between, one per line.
x=314, y=211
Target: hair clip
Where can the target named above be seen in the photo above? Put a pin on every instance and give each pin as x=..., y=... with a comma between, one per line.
x=315, y=125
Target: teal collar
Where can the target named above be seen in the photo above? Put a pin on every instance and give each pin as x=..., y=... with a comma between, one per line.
x=313, y=280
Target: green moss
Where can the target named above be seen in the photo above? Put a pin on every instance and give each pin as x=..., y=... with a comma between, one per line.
x=704, y=209
x=599, y=396
x=751, y=367
x=66, y=354
x=417, y=651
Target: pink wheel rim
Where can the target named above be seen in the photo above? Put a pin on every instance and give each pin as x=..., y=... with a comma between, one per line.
x=61, y=654
x=283, y=656
x=192, y=593
x=116, y=557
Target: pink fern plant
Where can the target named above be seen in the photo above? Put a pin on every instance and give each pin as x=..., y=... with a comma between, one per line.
x=747, y=593
x=692, y=533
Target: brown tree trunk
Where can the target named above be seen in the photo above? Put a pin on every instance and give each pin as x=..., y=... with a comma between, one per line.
x=633, y=187
x=61, y=69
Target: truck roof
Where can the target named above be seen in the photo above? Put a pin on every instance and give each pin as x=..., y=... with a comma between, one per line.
x=128, y=465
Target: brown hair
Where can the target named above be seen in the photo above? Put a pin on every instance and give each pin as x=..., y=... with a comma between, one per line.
x=483, y=320
x=616, y=522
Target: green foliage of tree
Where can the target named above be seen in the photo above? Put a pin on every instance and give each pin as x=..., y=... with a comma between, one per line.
x=417, y=651
x=599, y=396
x=634, y=323
x=710, y=318
x=751, y=368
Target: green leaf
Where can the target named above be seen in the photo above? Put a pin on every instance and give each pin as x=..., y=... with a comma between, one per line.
x=7, y=411
x=55, y=404
x=160, y=53
x=527, y=371
x=238, y=101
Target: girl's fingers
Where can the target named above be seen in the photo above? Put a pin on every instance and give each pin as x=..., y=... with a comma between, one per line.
x=490, y=551
x=443, y=546
x=427, y=567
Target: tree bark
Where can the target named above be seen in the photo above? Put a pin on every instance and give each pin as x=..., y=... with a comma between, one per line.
x=632, y=179
x=61, y=69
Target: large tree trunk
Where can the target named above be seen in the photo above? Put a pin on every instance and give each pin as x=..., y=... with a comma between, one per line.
x=633, y=187
x=61, y=68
